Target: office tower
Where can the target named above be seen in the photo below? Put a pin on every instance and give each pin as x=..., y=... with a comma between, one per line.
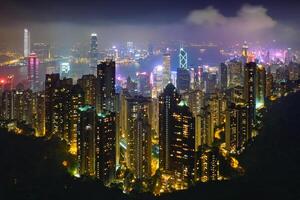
x=182, y=145
x=143, y=84
x=183, y=59
x=105, y=86
x=88, y=84
x=236, y=128
x=207, y=164
x=260, y=87
x=94, y=53
x=42, y=51
x=249, y=89
x=77, y=101
x=105, y=147
x=222, y=76
x=168, y=101
x=183, y=79
x=86, y=140
x=26, y=43
x=235, y=76
x=166, y=69
x=156, y=79
x=32, y=72
x=138, y=134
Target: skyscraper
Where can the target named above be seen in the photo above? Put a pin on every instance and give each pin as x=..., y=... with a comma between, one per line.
x=183, y=58
x=86, y=140
x=182, y=145
x=105, y=86
x=32, y=72
x=236, y=128
x=166, y=69
x=94, y=53
x=156, y=79
x=260, y=87
x=168, y=101
x=105, y=147
x=138, y=135
x=88, y=84
x=58, y=106
x=183, y=79
x=249, y=90
x=26, y=43
x=222, y=76
x=77, y=101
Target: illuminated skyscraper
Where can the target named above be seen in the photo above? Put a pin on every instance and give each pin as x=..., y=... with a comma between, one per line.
x=32, y=72
x=183, y=74
x=156, y=79
x=88, y=84
x=245, y=53
x=94, y=53
x=237, y=128
x=39, y=114
x=26, y=43
x=58, y=106
x=77, y=101
x=166, y=69
x=168, y=102
x=105, y=147
x=249, y=89
x=138, y=135
x=235, y=75
x=105, y=86
x=86, y=140
x=260, y=87
x=183, y=58
x=182, y=145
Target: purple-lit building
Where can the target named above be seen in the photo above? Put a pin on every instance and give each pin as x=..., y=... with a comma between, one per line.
x=32, y=71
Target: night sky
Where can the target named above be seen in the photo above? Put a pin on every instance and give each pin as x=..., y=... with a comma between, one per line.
x=143, y=21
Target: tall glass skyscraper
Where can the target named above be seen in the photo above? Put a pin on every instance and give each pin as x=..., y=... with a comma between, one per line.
x=26, y=43
x=94, y=54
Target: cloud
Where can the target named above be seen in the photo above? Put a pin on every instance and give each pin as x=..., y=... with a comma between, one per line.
x=248, y=19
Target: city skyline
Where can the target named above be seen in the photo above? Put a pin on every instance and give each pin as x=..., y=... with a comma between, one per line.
x=193, y=21
x=124, y=101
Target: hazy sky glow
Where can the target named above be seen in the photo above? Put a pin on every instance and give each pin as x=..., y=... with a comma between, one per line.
x=67, y=21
